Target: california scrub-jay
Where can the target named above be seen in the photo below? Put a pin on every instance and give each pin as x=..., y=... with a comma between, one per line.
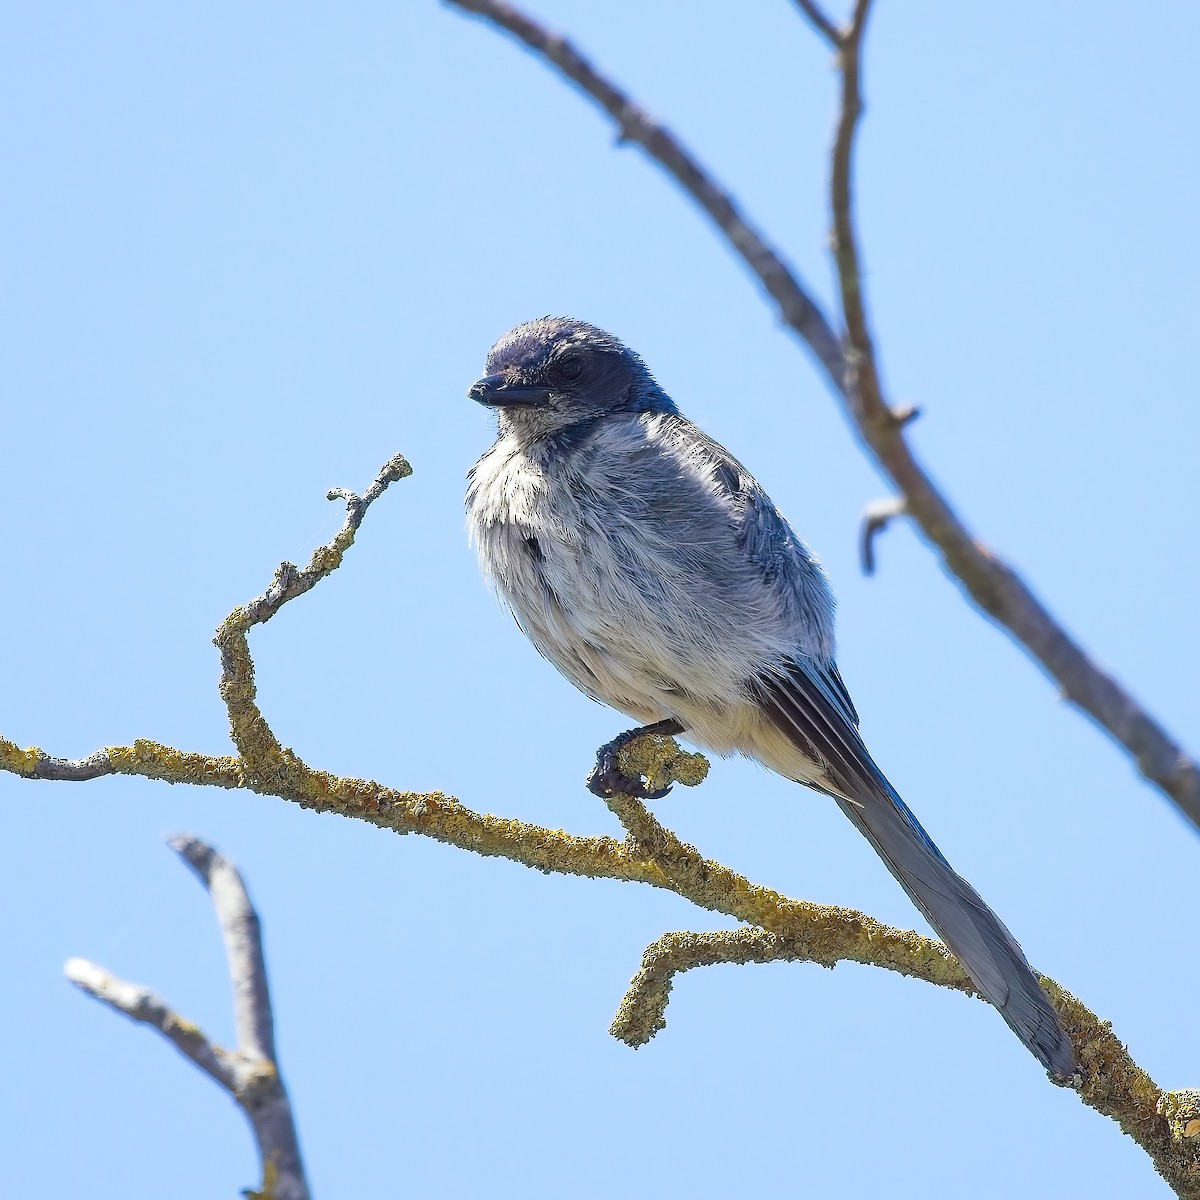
x=644, y=561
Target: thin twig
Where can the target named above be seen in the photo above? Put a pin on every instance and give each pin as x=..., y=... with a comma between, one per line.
x=864, y=391
x=139, y=1003
x=256, y=744
x=877, y=516
x=289, y=581
x=991, y=583
x=800, y=311
x=642, y=1013
x=250, y=1075
x=820, y=22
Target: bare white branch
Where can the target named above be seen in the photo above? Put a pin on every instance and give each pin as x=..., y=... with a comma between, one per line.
x=250, y=1074
x=139, y=1003
x=242, y=934
x=75, y=769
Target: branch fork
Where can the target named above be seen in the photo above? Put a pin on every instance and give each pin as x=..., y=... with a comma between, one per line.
x=249, y=1074
x=849, y=364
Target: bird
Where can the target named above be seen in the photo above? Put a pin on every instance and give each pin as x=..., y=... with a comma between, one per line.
x=647, y=564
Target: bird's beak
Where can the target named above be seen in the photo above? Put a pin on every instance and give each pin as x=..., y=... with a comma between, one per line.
x=496, y=392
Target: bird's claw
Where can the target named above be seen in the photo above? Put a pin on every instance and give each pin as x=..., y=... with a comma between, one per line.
x=607, y=783
x=639, y=758
x=607, y=778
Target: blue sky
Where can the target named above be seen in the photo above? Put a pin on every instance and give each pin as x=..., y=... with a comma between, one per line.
x=250, y=252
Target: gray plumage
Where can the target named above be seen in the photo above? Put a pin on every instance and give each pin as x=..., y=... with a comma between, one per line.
x=645, y=562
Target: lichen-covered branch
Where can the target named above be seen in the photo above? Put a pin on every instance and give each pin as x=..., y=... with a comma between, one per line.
x=643, y=1011
x=1165, y=1124
x=650, y=854
x=250, y=1074
x=855, y=378
x=792, y=930
x=256, y=744
x=827, y=933
x=144, y=758
x=431, y=814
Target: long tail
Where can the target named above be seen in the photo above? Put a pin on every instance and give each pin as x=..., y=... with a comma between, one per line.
x=976, y=936
x=809, y=704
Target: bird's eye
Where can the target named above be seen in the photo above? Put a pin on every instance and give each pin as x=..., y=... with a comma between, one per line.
x=571, y=368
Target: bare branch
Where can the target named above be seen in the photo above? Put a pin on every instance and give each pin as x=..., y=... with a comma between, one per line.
x=242, y=935
x=878, y=515
x=799, y=310
x=820, y=22
x=139, y=1003
x=990, y=582
x=251, y=1075
x=864, y=391
x=994, y=586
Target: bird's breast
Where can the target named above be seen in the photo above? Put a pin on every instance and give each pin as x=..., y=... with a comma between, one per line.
x=519, y=519
x=600, y=586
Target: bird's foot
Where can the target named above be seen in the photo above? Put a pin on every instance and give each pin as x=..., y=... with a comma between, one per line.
x=607, y=778
x=644, y=763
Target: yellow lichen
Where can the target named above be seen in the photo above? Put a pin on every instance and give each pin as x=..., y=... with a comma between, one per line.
x=18, y=761
x=661, y=762
x=269, y=1184
x=1182, y=1112
x=151, y=760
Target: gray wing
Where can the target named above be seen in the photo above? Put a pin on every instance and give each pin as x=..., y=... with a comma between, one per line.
x=807, y=701
x=804, y=697
x=788, y=570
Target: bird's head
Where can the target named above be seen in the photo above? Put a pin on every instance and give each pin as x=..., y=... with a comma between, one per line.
x=553, y=373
